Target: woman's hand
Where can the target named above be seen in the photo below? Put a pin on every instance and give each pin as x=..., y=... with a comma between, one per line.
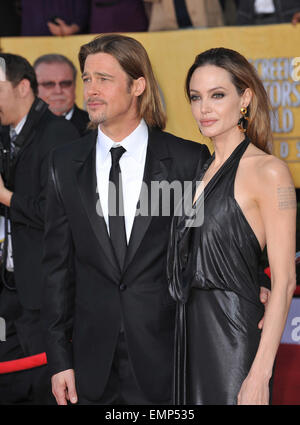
x=254, y=391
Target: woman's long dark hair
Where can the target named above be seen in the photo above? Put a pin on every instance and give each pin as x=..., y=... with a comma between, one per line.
x=243, y=76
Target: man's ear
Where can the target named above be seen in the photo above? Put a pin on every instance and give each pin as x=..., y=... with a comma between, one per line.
x=139, y=86
x=24, y=87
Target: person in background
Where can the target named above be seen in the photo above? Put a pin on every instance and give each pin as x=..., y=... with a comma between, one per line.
x=56, y=77
x=170, y=15
x=54, y=17
x=229, y=8
x=29, y=133
x=117, y=16
x=264, y=12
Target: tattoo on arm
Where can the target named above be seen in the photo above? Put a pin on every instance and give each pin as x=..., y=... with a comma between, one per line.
x=286, y=198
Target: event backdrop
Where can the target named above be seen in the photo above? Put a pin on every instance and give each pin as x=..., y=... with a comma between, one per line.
x=273, y=50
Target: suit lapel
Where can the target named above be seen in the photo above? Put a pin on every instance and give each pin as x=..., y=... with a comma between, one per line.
x=85, y=170
x=23, y=148
x=32, y=127
x=156, y=169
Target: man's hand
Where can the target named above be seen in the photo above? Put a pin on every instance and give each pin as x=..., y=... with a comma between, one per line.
x=264, y=299
x=5, y=194
x=63, y=387
x=296, y=18
x=62, y=29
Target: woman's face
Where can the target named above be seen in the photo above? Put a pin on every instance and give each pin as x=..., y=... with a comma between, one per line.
x=215, y=101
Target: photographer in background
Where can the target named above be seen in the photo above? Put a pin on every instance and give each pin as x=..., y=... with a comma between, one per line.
x=28, y=134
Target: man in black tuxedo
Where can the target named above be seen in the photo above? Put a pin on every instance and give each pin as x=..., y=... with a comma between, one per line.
x=28, y=133
x=111, y=333
x=56, y=76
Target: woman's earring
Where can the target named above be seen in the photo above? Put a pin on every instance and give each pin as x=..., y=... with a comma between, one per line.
x=243, y=121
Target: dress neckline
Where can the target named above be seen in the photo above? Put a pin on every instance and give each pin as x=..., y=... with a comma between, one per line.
x=235, y=154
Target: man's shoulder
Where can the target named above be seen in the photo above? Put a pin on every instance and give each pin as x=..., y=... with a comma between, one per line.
x=80, y=120
x=78, y=112
x=53, y=122
x=178, y=145
x=75, y=149
x=55, y=131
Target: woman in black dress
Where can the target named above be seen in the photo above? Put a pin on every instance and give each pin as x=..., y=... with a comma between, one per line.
x=221, y=356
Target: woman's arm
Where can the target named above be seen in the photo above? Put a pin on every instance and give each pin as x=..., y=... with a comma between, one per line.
x=276, y=200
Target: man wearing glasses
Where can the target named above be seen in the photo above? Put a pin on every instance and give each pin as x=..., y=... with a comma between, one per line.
x=56, y=76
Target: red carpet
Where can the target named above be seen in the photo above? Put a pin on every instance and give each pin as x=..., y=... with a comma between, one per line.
x=286, y=389
x=23, y=363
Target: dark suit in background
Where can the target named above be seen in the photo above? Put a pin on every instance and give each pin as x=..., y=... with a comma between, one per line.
x=36, y=14
x=117, y=16
x=80, y=120
x=21, y=308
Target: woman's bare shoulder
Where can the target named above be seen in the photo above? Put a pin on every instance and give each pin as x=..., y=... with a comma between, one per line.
x=266, y=168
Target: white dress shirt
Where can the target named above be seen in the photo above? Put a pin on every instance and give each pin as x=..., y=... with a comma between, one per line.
x=264, y=6
x=69, y=114
x=132, y=165
x=18, y=127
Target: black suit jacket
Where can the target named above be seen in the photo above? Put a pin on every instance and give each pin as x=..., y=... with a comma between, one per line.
x=80, y=120
x=28, y=204
x=83, y=322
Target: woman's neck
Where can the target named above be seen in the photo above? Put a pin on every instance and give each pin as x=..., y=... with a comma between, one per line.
x=225, y=144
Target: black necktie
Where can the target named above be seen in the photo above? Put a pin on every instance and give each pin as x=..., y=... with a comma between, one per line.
x=115, y=206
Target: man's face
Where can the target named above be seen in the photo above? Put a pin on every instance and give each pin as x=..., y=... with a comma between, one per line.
x=110, y=99
x=9, y=102
x=56, y=86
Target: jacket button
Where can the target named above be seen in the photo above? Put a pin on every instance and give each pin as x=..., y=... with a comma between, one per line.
x=122, y=287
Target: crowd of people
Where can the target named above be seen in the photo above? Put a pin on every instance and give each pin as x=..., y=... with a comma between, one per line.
x=67, y=17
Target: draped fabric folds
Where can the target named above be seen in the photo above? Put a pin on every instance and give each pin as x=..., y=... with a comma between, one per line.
x=213, y=276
